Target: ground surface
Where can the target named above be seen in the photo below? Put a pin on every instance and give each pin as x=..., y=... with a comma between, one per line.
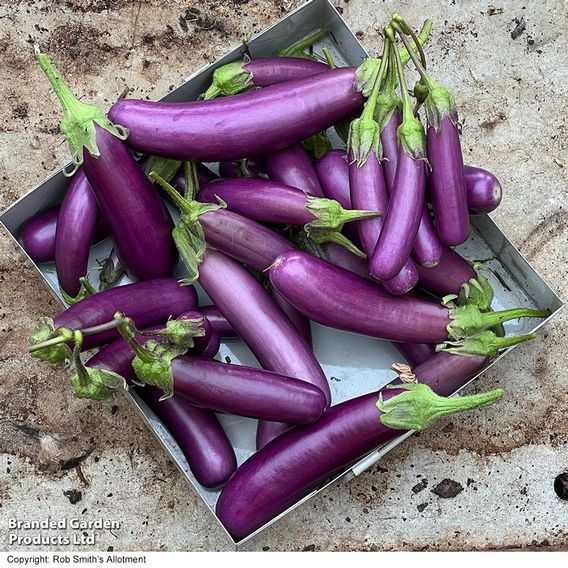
x=483, y=484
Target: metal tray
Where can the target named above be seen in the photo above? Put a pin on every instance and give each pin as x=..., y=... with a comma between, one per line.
x=354, y=364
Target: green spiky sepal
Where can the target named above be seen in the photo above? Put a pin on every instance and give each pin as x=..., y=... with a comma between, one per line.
x=412, y=138
x=158, y=372
x=438, y=104
x=97, y=384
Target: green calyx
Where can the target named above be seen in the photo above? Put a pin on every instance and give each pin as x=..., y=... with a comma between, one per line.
x=419, y=406
x=188, y=234
x=476, y=291
x=440, y=103
x=364, y=138
x=485, y=344
x=330, y=218
x=157, y=372
x=468, y=320
x=96, y=384
x=56, y=352
x=229, y=79
x=412, y=138
x=317, y=145
x=180, y=332
x=420, y=91
x=79, y=119
x=387, y=102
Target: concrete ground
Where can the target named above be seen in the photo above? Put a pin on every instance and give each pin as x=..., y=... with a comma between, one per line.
x=485, y=483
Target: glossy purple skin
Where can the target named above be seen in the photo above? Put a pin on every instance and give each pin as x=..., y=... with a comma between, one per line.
x=37, y=236
x=299, y=460
x=338, y=298
x=368, y=191
x=138, y=221
x=333, y=173
x=205, y=346
x=340, y=256
x=76, y=227
x=244, y=240
x=218, y=321
x=447, y=183
x=197, y=431
x=246, y=391
x=427, y=249
x=148, y=303
x=204, y=176
x=447, y=276
x=234, y=170
x=247, y=124
x=258, y=320
x=301, y=323
x=292, y=166
x=402, y=219
x=262, y=325
x=415, y=353
x=267, y=71
x=483, y=189
x=262, y=200
x=389, y=141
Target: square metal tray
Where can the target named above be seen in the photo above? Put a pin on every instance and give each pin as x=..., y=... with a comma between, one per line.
x=354, y=364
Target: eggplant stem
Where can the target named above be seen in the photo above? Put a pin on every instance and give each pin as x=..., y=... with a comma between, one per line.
x=398, y=19
x=494, y=318
x=82, y=374
x=328, y=58
x=303, y=44
x=407, y=110
x=128, y=331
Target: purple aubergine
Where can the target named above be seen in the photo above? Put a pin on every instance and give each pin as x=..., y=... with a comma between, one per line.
x=446, y=182
x=148, y=303
x=197, y=431
x=262, y=200
x=338, y=298
x=244, y=240
x=246, y=124
x=267, y=331
x=218, y=321
x=76, y=227
x=368, y=191
x=292, y=166
x=37, y=236
x=237, y=76
x=205, y=346
x=299, y=460
x=138, y=221
x=483, y=189
x=246, y=391
x=402, y=218
x=301, y=323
